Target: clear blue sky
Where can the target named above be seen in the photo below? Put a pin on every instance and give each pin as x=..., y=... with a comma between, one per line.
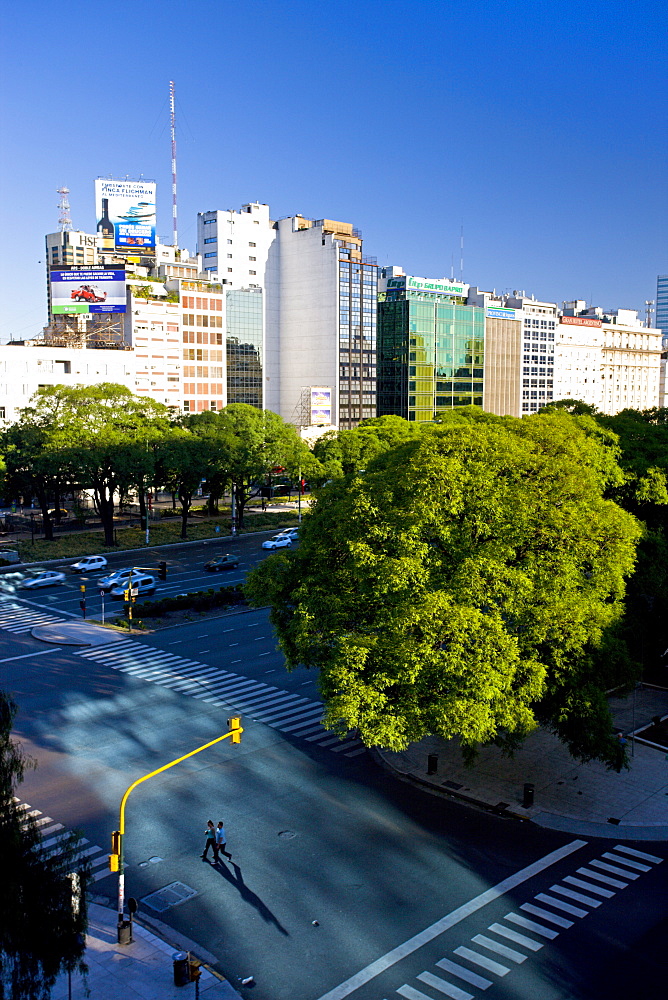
x=538, y=126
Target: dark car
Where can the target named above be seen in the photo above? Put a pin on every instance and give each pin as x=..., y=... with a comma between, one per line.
x=227, y=561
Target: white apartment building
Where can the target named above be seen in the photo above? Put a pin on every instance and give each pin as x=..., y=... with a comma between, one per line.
x=234, y=245
x=609, y=360
x=321, y=322
x=26, y=367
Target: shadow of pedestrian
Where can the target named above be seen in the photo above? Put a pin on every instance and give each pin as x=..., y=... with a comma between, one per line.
x=236, y=879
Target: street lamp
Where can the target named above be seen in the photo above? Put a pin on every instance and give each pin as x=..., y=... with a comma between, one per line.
x=116, y=856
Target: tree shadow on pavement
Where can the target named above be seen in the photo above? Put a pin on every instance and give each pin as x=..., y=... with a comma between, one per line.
x=236, y=879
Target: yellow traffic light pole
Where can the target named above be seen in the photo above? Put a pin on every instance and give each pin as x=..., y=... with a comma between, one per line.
x=116, y=856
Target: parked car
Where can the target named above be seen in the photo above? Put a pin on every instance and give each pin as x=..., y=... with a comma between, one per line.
x=228, y=561
x=41, y=578
x=8, y=557
x=118, y=577
x=291, y=533
x=59, y=513
x=142, y=583
x=89, y=564
x=277, y=542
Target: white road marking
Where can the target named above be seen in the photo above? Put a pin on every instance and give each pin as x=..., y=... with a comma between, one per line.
x=537, y=911
x=638, y=854
x=531, y=925
x=445, y=923
x=482, y=961
x=444, y=987
x=499, y=949
x=515, y=936
x=469, y=977
x=25, y=656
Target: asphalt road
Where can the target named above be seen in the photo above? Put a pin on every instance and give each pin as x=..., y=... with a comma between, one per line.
x=397, y=880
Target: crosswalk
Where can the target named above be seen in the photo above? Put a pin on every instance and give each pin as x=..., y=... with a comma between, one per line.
x=524, y=931
x=52, y=834
x=20, y=619
x=289, y=713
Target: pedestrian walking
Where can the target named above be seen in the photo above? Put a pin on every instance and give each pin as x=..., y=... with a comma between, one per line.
x=221, y=841
x=210, y=834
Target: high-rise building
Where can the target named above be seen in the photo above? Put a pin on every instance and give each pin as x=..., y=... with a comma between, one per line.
x=662, y=306
x=430, y=346
x=321, y=323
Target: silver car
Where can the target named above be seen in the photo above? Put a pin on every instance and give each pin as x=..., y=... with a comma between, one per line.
x=118, y=577
x=42, y=578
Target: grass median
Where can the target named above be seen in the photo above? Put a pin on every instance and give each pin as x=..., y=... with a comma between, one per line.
x=85, y=543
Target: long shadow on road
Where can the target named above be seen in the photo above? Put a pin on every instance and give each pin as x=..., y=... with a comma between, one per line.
x=236, y=880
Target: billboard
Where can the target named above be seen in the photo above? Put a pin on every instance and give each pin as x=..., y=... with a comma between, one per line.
x=500, y=312
x=579, y=321
x=125, y=212
x=321, y=404
x=87, y=290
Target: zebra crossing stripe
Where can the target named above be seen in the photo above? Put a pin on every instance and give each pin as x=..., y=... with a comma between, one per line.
x=282, y=710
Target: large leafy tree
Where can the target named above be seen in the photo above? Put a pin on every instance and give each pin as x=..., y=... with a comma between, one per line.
x=102, y=435
x=251, y=444
x=43, y=899
x=468, y=584
x=182, y=460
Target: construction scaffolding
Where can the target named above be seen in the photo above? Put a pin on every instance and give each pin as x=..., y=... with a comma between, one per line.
x=93, y=330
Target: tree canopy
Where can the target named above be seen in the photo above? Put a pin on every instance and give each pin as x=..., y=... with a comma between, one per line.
x=469, y=583
x=42, y=906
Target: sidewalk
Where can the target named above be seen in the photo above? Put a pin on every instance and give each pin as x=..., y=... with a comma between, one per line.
x=142, y=970
x=578, y=798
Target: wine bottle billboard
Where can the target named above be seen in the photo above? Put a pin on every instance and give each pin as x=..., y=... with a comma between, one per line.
x=125, y=212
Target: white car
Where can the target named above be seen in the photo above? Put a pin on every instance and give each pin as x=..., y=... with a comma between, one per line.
x=89, y=564
x=116, y=578
x=291, y=533
x=141, y=583
x=278, y=542
x=42, y=578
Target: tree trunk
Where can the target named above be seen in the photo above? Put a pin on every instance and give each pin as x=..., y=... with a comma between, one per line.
x=241, y=500
x=104, y=501
x=143, y=512
x=186, y=500
x=47, y=523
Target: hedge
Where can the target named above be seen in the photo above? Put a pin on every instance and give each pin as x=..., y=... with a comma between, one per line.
x=198, y=600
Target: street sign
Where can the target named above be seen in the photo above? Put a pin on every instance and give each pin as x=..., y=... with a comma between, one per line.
x=134, y=592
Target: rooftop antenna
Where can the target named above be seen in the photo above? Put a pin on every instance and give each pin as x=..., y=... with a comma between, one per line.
x=64, y=220
x=452, y=267
x=649, y=310
x=461, y=255
x=172, y=124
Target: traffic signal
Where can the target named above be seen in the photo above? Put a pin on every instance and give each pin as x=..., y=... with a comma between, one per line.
x=114, y=857
x=234, y=724
x=127, y=597
x=162, y=570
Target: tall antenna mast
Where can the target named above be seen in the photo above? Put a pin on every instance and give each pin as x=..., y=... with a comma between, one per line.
x=173, y=134
x=64, y=220
x=461, y=255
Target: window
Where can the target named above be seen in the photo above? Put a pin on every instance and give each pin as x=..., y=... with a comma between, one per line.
x=252, y=272
x=207, y=222
x=229, y=270
x=214, y=254
x=229, y=256
x=252, y=258
x=212, y=239
x=229, y=241
x=252, y=244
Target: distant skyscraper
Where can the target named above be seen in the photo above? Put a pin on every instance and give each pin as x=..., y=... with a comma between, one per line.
x=662, y=306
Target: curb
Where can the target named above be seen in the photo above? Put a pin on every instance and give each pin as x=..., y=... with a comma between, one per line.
x=176, y=940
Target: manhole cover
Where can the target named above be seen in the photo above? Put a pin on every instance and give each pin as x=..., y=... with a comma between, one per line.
x=171, y=895
x=287, y=834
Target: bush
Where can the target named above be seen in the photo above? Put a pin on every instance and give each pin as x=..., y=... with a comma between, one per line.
x=199, y=600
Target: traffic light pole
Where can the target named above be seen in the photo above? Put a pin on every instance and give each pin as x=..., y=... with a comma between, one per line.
x=116, y=856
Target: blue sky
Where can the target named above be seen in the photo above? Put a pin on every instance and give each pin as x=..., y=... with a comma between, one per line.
x=540, y=127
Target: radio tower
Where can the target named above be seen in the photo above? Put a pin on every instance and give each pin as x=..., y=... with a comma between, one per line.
x=64, y=220
x=173, y=134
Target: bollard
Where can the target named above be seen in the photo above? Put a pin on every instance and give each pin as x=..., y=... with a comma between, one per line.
x=181, y=968
x=125, y=932
x=432, y=763
x=528, y=795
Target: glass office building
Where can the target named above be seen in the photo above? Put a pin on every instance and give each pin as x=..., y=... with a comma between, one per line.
x=662, y=306
x=430, y=347
x=358, y=280
x=243, y=339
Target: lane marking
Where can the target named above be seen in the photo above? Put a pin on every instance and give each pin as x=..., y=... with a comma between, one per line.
x=462, y=973
x=482, y=961
x=40, y=652
x=638, y=854
x=445, y=923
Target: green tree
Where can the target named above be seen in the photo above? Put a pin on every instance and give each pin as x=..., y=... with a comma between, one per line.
x=468, y=584
x=43, y=900
x=351, y=451
x=254, y=442
x=102, y=436
x=181, y=462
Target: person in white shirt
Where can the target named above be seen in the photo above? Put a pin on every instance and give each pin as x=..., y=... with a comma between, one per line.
x=221, y=841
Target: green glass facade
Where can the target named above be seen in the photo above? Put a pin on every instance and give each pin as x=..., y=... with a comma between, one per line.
x=243, y=340
x=430, y=354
